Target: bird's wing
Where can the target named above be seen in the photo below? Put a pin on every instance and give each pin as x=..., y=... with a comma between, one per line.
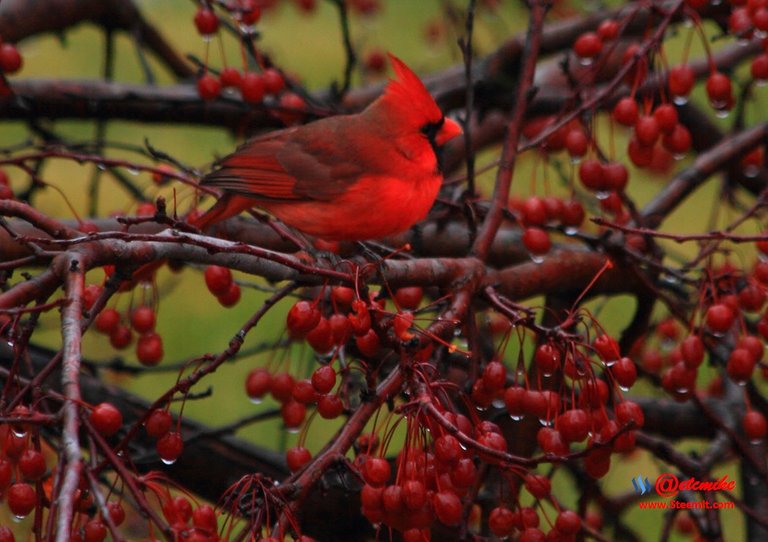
x=311, y=162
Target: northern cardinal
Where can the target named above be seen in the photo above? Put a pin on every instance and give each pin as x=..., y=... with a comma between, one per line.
x=343, y=178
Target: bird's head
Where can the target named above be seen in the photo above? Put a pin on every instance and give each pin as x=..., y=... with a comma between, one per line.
x=407, y=100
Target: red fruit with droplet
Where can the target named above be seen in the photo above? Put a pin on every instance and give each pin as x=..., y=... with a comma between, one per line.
x=21, y=499
x=10, y=58
x=536, y=241
x=588, y=45
x=320, y=338
x=293, y=414
x=720, y=318
x=206, y=21
x=170, y=446
x=258, y=383
x=573, y=425
x=692, y=350
x=681, y=80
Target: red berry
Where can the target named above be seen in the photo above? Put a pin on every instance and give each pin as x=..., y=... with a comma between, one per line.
x=204, y=517
x=208, y=86
x=293, y=414
x=409, y=298
x=302, y=318
x=21, y=499
x=368, y=344
x=320, y=338
x=574, y=425
x=170, y=446
x=681, y=80
x=501, y=521
x=447, y=506
x=591, y=174
x=720, y=317
x=666, y=117
x=90, y=294
x=231, y=297
x=158, y=423
x=250, y=11
x=759, y=67
x=568, y=522
x=304, y=392
x=538, y=485
x=755, y=425
x=149, y=349
x=330, y=406
x=629, y=411
x=258, y=383
x=206, y=21
x=572, y=214
x=218, y=279
x=94, y=531
x=143, y=319
x=534, y=211
x=282, y=387
x=107, y=321
x=273, y=81
x=608, y=30
x=32, y=464
x=576, y=142
x=230, y=77
x=10, y=58
x=741, y=364
x=718, y=89
x=414, y=494
x=253, y=87
x=447, y=449
x=297, y=457
x=106, y=419
x=692, y=350
x=588, y=45
x=376, y=471
x=679, y=141
x=647, y=130
x=626, y=111
x=495, y=375
x=342, y=296
x=324, y=379
x=615, y=176
x=291, y=108
x=625, y=372
x=536, y=241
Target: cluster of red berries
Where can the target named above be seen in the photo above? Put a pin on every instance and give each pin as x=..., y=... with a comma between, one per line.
x=536, y=212
x=253, y=86
x=194, y=523
x=149, y=347
x=432, y=482
x=221, y=284
x=170, y=443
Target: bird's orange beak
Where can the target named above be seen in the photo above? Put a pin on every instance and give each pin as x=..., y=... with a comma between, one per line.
x=448, y=131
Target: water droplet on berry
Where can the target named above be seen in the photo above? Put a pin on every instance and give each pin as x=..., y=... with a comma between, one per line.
x=586, y=61
x=293, y=430
x=680, y=100
x=537, y=259
x=19, y=431
x=517, y=417
x=497, y=403
x=624, y=388
x=571, y=230
x=751, y=171
x=168, y=461
x=256, y=400
x=721, y=113
x=602, y=194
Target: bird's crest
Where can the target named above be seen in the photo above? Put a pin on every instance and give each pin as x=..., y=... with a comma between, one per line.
x=407, y=91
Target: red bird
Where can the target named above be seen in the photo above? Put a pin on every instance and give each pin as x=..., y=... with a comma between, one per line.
x=343, y=178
